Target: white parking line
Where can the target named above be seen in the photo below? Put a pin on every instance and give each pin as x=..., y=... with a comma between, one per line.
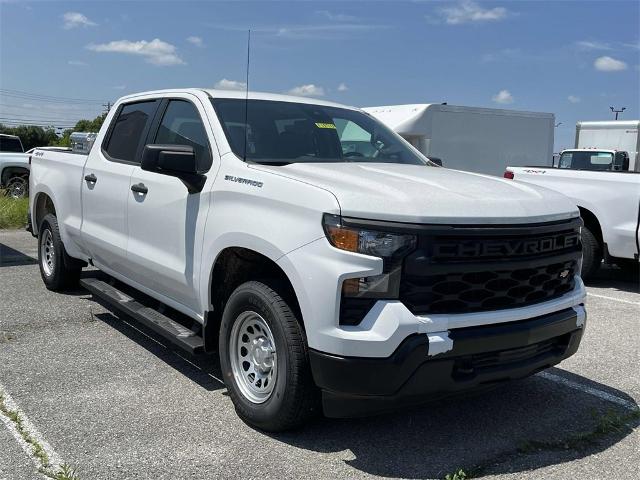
x=55, y=461
x=613, y=298
x=590, y=390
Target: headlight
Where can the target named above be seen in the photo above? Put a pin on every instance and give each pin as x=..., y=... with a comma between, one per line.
x=391, y=247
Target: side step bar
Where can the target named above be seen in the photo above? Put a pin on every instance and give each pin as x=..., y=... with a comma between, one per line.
x=156, y=321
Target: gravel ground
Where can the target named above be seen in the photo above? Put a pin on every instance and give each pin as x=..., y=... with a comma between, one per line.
x=116, y=401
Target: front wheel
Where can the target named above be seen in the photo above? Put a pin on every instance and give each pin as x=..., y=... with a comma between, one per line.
x=17, y=187
x=264, y=359
x=58, y=270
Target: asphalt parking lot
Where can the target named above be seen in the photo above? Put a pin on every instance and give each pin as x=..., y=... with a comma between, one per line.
x=115, y=401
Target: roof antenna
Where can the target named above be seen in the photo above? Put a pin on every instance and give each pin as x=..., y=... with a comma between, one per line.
x=246, y=99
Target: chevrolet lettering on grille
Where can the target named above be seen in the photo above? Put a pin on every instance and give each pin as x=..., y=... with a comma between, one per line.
x=491, y=248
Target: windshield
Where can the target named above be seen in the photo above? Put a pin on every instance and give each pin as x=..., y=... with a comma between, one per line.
x=586, y=160
x=287, y=132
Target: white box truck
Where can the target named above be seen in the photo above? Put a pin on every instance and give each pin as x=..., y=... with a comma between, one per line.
x=618, y=135
x=483, y=140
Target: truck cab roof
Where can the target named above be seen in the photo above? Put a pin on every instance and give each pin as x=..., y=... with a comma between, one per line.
x=239, y=94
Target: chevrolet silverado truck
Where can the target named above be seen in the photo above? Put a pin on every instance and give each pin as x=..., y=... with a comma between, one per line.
x=14, y=166
x=609, y=203
x=352, y=281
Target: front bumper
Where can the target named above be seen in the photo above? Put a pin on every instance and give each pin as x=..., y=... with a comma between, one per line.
x=479, y=356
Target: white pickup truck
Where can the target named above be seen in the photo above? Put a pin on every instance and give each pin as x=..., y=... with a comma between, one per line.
x=14, y=166
x=609, y=203
x=323, y=276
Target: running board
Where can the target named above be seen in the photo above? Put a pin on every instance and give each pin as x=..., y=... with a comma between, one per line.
x=156, y=321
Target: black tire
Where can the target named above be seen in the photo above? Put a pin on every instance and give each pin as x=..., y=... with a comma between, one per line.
x=294, y=398
x=591, y=254
x=63, y=272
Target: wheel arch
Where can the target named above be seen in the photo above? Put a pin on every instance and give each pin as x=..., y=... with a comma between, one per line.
x=592, y=223
x=10, y=171
x=43, y=204
x=233, y=266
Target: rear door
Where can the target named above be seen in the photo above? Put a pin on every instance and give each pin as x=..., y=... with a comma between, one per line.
x=105, y=185
x=165, y=222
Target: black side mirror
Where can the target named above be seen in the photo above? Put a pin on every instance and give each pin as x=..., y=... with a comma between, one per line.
x=621, y=162
x=436, y=160
x=176, y=161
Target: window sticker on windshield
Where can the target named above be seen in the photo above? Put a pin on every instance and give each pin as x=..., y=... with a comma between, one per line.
x=326, y=125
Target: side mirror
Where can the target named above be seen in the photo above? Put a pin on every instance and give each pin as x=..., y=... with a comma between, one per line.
x=621, y=162
x=176, y=161
x=436, y=160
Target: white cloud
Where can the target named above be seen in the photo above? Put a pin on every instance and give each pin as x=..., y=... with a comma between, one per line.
x=309, y=90
x=329, y=31
x=343, y=87
x=609, y=64
x=574, y=99
x=155, y=52
x=197, y=41
x=468, y=11
x=589, y=45
x=76, y=19
x=77, y=63
x=502, y=55
x=503, y=97
x=336, y=17
x=225, y=84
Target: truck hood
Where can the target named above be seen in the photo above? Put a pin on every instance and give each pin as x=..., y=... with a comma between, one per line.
x=421, y=194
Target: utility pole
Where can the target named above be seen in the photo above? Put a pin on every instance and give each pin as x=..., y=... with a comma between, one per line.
x=107, y=106
x=618, y=111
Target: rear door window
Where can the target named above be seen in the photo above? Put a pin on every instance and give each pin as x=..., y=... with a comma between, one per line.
x=181, y=125
x=129, y=131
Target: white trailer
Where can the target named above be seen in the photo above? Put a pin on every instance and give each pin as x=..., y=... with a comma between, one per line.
x=620, y=135
x=484, y=140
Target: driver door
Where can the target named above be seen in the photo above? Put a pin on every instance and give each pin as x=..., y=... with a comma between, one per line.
x=165, y=222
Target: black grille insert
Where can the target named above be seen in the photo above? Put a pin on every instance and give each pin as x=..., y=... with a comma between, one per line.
x=473, y=269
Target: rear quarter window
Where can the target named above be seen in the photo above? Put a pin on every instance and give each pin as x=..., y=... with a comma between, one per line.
x=129, y=130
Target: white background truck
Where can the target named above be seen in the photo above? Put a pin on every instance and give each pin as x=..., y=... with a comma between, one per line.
x=609, y=204
x=619, y=135
x=483, y=140
x=14, y=166
x=323, y=275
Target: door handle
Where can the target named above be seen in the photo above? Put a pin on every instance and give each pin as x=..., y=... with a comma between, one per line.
x=139, y=188
x=91, y=178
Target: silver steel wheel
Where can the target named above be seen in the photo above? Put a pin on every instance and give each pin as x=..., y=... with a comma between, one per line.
x=47, y=253
x=254, y=361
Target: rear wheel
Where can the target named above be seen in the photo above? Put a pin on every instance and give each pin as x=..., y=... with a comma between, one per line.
x=591, y=254
x=58, y=270
x=264, y=359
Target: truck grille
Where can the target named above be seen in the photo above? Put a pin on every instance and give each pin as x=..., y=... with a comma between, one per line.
x=475, y=269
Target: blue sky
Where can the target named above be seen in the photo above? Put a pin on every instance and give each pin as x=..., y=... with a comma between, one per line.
x=575, y=59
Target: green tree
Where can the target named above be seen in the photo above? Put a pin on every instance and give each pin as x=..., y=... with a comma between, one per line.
x=31, y=136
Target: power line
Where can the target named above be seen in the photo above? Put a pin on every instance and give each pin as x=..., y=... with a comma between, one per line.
x=20, y=93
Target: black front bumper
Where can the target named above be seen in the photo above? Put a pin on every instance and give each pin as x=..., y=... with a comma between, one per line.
x=481, y=356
